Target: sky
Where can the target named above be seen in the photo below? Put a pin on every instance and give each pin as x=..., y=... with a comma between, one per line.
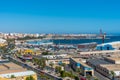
x=60, y=16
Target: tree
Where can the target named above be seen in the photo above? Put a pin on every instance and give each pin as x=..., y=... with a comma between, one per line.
x=78, y=70
x=67, y=74
x=40, y=62
x=45, y=53
x=96, y=79
x=30, y=78
x=88, y=77
x=12, y=76
x=62, y=74
x=35, y=60
x=113, y=75
x=76, y=78
x=58, y=69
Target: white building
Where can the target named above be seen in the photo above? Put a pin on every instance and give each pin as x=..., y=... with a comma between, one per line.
x=54, y=56
x=2, y=41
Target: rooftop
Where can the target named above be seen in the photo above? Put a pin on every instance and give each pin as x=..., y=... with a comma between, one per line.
x=17, y=74
x=10, y=68
x=111, y=67
x=98, y=61
x=110, y=43
x=80, y=61
x=113, y=58
x=88, y=43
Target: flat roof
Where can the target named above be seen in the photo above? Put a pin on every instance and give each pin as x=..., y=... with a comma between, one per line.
x=98, y=61
x=111, y=67
x=110, y=43
x=17, y=74
x=88, y=43
x=113, y=58
x=80, y=61
x=10, y=68
x=99, y=52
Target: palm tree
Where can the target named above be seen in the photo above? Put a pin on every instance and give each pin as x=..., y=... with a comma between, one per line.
x=113, y=75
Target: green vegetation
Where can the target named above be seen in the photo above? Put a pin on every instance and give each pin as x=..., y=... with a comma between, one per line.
x=3, y=49
x=12, y=76
x=46, y=53
x=58, y=69
x=40, y=62
x=76, y=78
x=30, y=78
x=9, y=47
x=78, y=70
x=113, y=75
x=67, y=74
x=88, y=77
x=96, y=79
x=64, y=73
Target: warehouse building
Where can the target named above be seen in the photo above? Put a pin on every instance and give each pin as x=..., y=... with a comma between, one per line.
x=95, y=62
x=79, y=64
x=108, y=69
x=86, y=46
x=114, y=60
x=109, y=46
x=11, y=71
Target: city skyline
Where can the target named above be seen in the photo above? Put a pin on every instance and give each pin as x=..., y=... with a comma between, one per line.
x=51, y=16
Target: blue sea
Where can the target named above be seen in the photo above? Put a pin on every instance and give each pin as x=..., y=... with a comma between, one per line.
x=79, y=41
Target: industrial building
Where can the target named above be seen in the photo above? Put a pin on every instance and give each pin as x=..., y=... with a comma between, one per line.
x=106, y=66
x=114, y=60
x=99, y=53
x=94, y=62
x=79, y=64
x=86, y=46
x=107, y=69
x=11, y=71
x=109, y=46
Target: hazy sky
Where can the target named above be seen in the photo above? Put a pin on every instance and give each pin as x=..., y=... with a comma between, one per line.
x=60, y=16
